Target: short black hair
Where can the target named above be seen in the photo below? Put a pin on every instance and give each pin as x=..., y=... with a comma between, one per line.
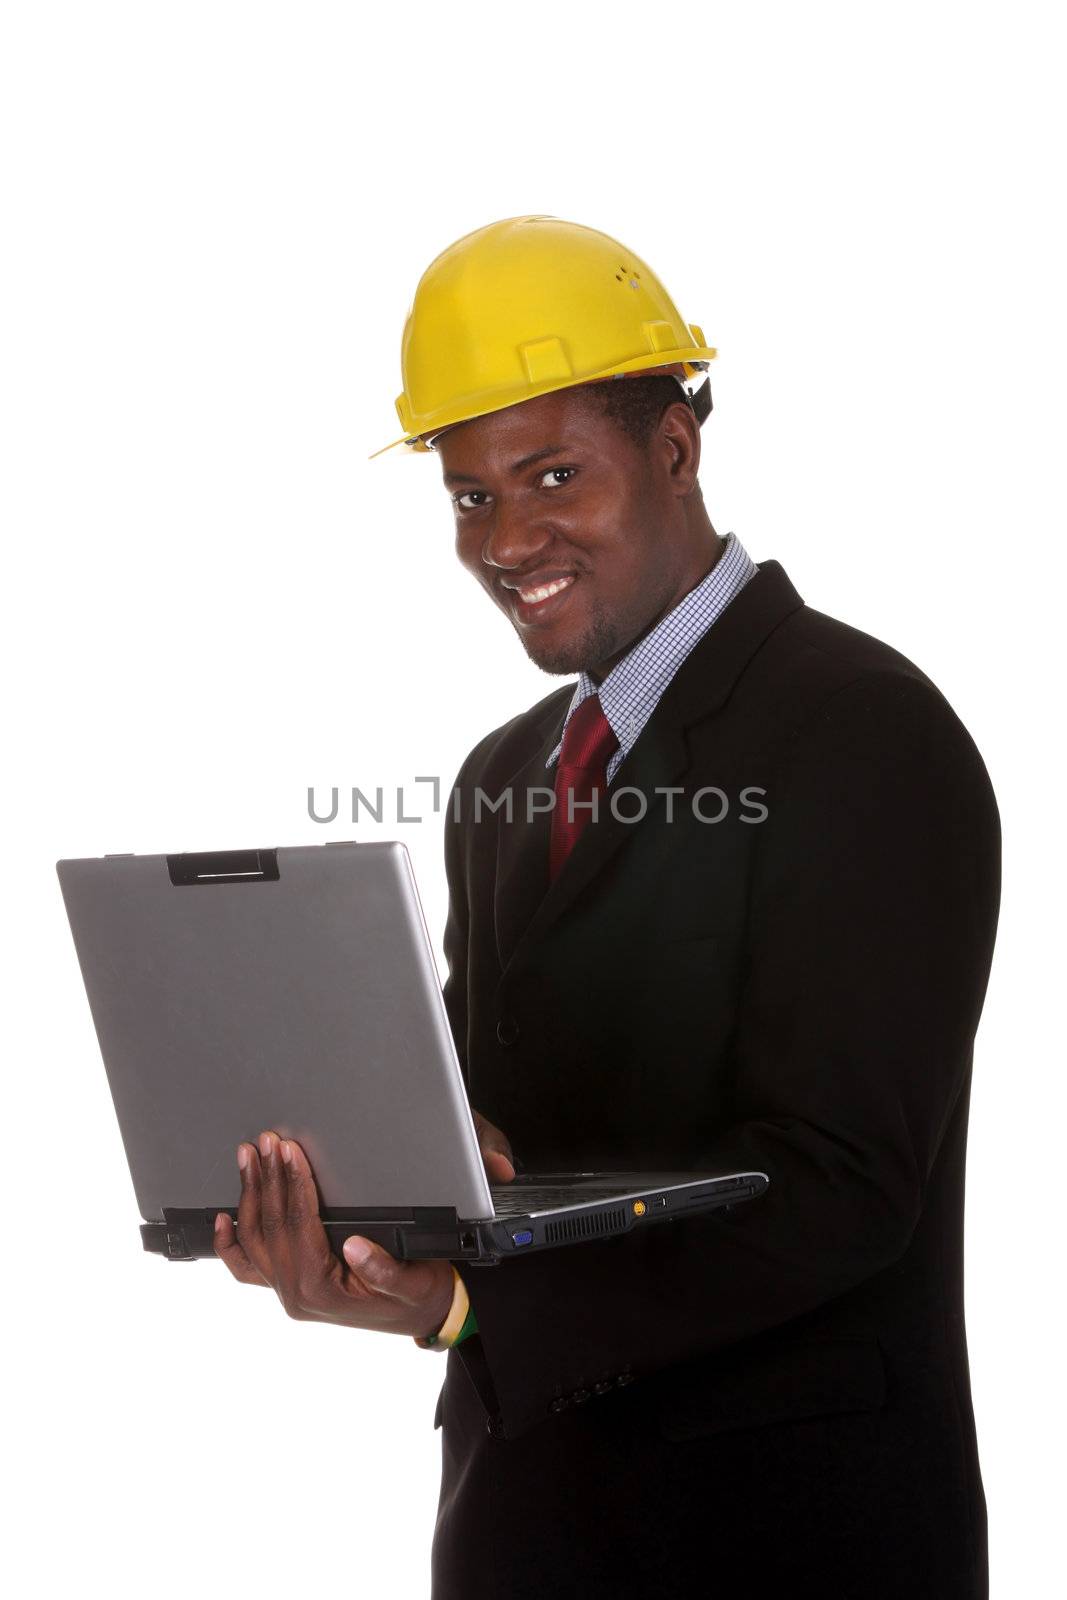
x=635, y=404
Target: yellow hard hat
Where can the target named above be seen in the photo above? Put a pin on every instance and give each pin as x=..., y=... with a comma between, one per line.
x=525, y=306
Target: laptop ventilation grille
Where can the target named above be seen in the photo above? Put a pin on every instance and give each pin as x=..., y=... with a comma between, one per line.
x=584, y=1225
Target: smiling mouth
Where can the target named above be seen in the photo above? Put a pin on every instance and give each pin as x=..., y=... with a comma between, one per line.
x=543, y=591
x=542, y=601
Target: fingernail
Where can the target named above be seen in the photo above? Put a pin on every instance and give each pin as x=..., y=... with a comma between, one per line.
x=242, y=1157
x=286, y=1150
x=218, y=1221
x=356, y=1251
x=264, y=1145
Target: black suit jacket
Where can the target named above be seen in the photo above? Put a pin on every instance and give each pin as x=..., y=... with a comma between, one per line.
x=776, y=1395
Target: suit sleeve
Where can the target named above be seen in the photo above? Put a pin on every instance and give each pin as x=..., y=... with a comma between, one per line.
x=872, y=917
x=457, y=924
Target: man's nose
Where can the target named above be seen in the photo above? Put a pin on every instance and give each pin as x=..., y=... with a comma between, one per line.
x=515, y=539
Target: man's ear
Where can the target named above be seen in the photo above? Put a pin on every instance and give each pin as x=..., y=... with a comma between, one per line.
x=677, y=438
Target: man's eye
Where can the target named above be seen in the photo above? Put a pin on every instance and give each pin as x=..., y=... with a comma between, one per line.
x=471, y=494
x=553, y=472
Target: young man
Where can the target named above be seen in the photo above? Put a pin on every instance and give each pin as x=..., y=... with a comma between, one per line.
x=753, y=930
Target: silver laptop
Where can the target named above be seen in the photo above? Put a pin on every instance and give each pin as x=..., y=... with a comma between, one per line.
x=296, y=989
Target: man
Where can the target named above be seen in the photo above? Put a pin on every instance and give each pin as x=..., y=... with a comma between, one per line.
x=771, y=954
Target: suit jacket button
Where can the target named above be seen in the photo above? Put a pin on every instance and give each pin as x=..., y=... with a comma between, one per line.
x=507, y=1030
x=558, y=1404
x=602, y=1388
x=579, y=1395
x=495, y=1426
x=624, y=1378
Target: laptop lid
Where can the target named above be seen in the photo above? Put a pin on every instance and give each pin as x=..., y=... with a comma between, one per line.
x=293, y=989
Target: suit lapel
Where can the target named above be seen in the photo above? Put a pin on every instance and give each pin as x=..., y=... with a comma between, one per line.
x=522, y=846
x=526, y=905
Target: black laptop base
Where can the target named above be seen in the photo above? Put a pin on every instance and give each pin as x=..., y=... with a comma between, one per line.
x=410, y=1234
x=436, y=1233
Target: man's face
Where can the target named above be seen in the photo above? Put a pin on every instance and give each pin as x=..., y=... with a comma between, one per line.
x=568, y=526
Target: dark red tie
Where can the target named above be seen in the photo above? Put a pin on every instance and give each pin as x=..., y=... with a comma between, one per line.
x=588, y=745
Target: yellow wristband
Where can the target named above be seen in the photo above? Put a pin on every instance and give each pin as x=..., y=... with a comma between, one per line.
x=453, y=1323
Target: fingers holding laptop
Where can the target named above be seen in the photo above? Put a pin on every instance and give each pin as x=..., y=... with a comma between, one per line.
x=496, y=1150
x=279, y=1241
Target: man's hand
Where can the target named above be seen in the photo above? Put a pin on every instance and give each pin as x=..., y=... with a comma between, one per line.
x=280, y=1242
x=496, y=1150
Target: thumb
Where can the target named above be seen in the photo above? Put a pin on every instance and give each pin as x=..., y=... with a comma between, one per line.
x=499, y=1166
x=376, y=1267
x=495, y=1147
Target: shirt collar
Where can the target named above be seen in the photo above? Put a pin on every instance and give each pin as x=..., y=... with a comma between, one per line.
x=632, y=689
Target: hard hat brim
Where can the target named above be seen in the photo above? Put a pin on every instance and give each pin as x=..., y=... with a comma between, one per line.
x=692, y=360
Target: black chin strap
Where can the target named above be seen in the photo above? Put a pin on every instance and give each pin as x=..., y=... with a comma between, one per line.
x=701, y=401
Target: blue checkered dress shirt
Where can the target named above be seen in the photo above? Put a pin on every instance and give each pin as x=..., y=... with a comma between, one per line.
x=630, y=692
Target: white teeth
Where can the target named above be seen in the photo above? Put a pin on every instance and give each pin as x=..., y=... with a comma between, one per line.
x=531, y=596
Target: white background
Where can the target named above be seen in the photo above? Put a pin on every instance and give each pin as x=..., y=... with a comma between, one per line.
x=215, y=217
